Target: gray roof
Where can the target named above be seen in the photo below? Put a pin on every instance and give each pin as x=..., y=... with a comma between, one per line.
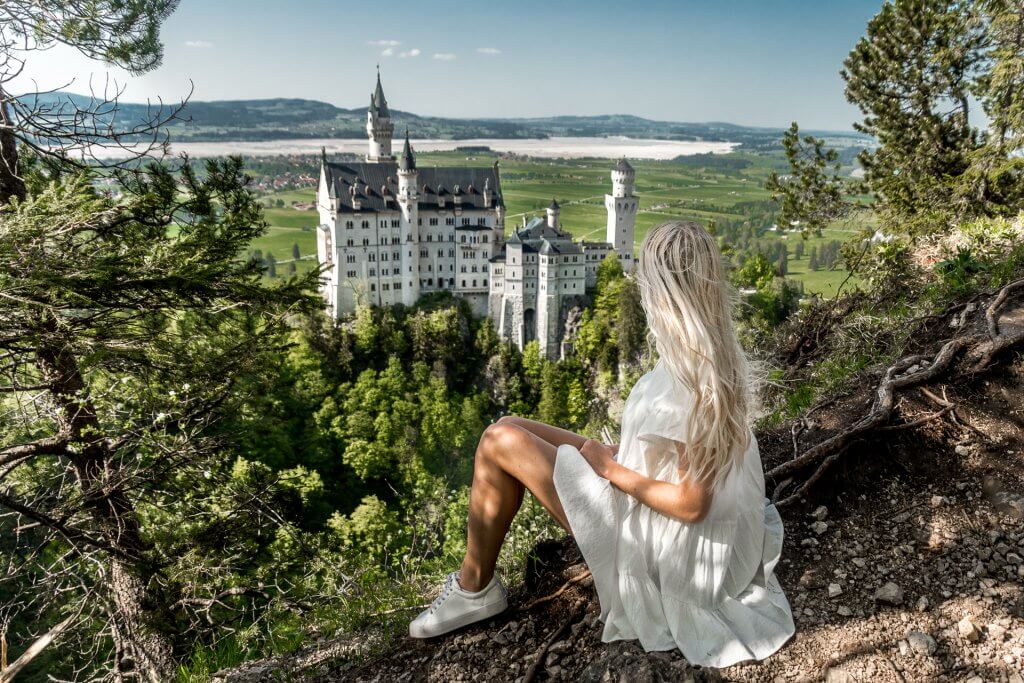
x=376, y=185
x=624, y=166
x=538, y=237
x=407, y=161
x=377, y=101
x=554, y=204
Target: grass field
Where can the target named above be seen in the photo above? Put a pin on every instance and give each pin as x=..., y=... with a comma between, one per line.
x=668, y=191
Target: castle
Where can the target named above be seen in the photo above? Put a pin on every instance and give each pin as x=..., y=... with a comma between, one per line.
x=390, y=232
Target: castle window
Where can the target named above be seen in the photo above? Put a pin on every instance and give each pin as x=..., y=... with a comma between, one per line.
x=451, y=252
x=351, y=273
x=449, y=221
x=384, y=256
x=462, y=269
x=474, y=283
x=440, y=252
x=430, y=282
x=373, y=271
x=350, y=258
x=350, y=242
x=348, y=225
x=462, y=238
x=394, y=223
x=430, y=238
x=419, y=221
x=433, y=221
x=373, y=287
x=474, y=267
x=483, y=238
x=485, y=282
x=366, y=241
x=423, y=253
x=397, y=255
x=465, y=221
x=451, y=282
x=398, y=285
x=366, y=224
x=373, y=257
x=463, y=283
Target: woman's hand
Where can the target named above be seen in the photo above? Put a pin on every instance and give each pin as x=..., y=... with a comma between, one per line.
x=599, y=456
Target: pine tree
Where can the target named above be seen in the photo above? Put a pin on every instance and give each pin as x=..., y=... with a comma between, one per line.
x=911, y=76
x=295, y=251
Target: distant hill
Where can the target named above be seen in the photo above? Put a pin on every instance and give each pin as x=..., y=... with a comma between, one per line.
x=282, y=118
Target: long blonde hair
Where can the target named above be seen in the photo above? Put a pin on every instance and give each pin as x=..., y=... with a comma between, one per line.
x=689, y=306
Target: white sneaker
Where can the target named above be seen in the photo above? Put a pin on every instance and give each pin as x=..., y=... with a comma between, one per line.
x=455, y=608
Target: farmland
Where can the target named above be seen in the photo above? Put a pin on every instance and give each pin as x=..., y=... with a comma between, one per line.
x=725, y=189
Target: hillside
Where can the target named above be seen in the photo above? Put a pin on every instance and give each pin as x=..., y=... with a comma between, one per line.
x=281, y=118
x=902, y=561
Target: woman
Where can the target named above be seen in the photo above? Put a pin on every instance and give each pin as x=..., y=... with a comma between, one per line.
x=673, y=522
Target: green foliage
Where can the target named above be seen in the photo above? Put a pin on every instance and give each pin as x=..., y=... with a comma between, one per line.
x=811, y=196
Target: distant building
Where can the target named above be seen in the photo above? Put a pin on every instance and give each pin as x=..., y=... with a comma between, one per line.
x=390, y=232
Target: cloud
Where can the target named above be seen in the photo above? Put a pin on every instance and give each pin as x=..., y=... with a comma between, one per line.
x=444, y=56
x=415, y=52
x=488, y=50
x=384, y=43
x=201, y=44
x=387, y=52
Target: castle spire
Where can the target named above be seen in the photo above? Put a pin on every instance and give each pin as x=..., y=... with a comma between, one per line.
x=379, y=102
x=408, y=160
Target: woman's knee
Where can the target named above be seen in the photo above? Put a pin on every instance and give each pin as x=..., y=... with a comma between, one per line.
x=499, y=438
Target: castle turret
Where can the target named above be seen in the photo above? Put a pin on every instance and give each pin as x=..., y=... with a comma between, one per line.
x=408, y=204
x=379, y=127
x=553, y=212
x=622, y=206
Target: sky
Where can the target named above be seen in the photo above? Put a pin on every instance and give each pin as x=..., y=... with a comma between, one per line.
x=751, y=62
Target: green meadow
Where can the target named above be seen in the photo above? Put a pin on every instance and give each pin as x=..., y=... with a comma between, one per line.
x=729, y=188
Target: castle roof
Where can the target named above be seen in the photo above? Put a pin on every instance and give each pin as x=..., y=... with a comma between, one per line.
x=554, y=204
x=622, y=165
x=369, y=179
x=407, y=162
x=377, y=101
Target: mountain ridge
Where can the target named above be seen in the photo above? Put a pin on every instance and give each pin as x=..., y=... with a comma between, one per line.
x=297, y=118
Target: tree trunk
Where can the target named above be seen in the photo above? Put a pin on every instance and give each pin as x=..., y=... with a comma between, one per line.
x=11, y=184
x=143, y=652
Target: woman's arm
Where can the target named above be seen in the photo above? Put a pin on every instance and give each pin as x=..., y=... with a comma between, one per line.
x=687, y=501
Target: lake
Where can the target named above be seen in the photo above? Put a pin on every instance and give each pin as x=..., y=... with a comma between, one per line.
x=556, y=147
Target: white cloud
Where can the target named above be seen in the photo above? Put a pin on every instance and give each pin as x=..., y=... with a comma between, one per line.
x=384, y=43
x=387, y=52
x=444, y=56
x=201, y=44
x=488, y=50
x=415, y=52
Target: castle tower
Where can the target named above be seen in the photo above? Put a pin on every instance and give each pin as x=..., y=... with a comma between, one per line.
x=553, y=212
x=622, y=206
x=379, y=127
x=408, y=203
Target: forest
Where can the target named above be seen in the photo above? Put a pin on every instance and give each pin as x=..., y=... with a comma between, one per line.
x=200, y=472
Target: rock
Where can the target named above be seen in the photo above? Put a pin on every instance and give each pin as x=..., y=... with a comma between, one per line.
x=967, y=630
x=626, y=661
x=937, y=501
x=820, y=513
x=819, y=527
x=500, y=638
x=961, y=449
x=859, y=561
x=922, y=604
x=836, y=674
x=890, y=594
x=921, y=643
x=844, y=611
x=834, y=590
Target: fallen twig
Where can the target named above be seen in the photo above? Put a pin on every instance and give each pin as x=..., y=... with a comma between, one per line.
x=538, y=661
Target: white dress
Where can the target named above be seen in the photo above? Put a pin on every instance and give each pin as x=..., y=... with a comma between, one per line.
x=707, y=588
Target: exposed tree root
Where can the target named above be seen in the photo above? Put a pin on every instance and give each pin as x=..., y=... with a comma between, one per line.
x=978, y=350
x=565, y=586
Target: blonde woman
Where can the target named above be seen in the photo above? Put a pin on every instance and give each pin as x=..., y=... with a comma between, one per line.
x=673, y=522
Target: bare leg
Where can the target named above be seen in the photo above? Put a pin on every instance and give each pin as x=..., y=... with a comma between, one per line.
x=509, y=460
x=556, y=436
